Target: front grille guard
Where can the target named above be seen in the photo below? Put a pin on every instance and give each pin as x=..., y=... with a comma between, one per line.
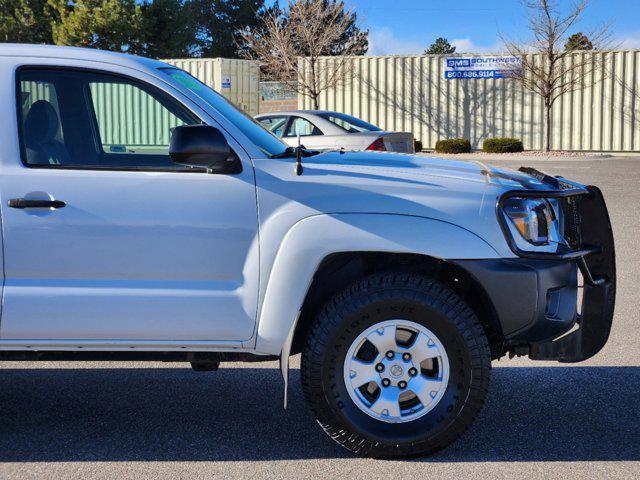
x=578, y=203
x=590, y=241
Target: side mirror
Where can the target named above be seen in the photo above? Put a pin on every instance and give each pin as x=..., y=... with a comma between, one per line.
x=203, y=146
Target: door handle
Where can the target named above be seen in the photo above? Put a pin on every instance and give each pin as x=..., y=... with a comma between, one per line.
x=24, y=203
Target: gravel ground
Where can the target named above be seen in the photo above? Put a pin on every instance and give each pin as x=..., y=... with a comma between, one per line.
x=542, y=420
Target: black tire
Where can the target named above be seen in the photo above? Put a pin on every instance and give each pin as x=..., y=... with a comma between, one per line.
x=372, y=300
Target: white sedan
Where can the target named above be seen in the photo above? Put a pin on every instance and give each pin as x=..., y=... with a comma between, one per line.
x=326, y=130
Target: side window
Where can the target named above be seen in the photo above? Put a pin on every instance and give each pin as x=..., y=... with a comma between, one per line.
x=88, y=119
x=303, y=127
x=43, y=139
x=351, y=124
x=344, y=124
x=130, y=120
x=275, y=124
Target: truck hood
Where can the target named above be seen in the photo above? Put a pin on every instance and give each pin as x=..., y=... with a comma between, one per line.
x=413, y=167
x=456, y=192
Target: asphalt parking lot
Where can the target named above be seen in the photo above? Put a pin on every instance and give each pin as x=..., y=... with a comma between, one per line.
x=541, y=420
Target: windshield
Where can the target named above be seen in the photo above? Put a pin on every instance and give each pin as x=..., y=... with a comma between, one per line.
x=262, y=138
x=349, y=123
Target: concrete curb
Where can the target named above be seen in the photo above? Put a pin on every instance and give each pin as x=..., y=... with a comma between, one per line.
x=484, y=158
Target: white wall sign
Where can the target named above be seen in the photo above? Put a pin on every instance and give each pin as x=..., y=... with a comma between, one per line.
x=480, y=67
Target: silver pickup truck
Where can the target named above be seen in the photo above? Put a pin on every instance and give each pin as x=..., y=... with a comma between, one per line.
x=144, y=217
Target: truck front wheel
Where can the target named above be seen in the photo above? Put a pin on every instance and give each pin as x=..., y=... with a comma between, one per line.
x=397, y=365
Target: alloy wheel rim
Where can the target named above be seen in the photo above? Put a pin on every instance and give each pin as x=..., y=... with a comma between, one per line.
x=396, y=371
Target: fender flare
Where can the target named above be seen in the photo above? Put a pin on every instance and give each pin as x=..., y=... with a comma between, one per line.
x=313, y=238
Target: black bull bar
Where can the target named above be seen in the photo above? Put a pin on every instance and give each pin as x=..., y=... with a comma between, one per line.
x=590, y=237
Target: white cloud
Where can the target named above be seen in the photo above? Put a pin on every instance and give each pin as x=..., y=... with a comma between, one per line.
x=382, y=41
x=628, y=43
x=466, y=45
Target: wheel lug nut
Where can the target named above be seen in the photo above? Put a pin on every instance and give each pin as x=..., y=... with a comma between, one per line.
x=379, y=367
x=406, y=356
x=402, y=384
x=413, y=372
x=386, y=382
x=390, y=354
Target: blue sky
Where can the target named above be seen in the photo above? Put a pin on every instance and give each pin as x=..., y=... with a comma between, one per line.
x=410, y=26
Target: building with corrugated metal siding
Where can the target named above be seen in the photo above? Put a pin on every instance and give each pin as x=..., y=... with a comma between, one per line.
x=237, y=80
x=411, y=93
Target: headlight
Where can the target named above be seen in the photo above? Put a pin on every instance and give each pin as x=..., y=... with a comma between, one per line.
x=534, y=220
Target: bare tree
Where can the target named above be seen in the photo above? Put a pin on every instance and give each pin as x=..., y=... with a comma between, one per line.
x=310, y=29
x=547, y=68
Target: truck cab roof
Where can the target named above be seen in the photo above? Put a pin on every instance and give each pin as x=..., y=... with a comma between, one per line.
x=77, y=53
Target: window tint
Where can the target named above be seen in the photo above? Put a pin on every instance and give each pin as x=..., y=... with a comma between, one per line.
x=87, y=119
x=303, y=127
x=130, y=120
x=349, y=123
x=43, y=137
x=275, y=124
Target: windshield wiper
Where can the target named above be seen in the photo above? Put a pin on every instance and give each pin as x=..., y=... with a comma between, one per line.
x=297, y=152
x=291, y=152
x=288, y=152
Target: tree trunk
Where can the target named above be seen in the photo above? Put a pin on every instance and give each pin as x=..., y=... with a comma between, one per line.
x=314, y=83
x=547, y=128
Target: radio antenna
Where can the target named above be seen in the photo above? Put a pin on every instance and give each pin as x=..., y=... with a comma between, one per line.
x=299, y=168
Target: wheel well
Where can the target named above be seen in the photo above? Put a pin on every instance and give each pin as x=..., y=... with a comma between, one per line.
x=339, y=270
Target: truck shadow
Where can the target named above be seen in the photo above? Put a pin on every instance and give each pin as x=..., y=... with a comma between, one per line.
x=174, y=414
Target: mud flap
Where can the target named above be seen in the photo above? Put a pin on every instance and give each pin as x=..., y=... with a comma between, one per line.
x=284, y=360
x=593, y=228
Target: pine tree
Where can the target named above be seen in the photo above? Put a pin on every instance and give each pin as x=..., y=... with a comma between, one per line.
x=25, y=21
x=440, y=47
x=168, y=29
x=219, y=23
x=578, y=41
x=114, y=25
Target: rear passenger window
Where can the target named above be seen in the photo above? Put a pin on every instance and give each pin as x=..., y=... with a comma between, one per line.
x=87, y=119
x=275, y=124
x=303, y=127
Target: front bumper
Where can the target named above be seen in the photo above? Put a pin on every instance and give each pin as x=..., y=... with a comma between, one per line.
x=535, y=297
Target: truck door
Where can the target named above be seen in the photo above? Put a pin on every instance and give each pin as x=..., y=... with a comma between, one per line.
x=105, y=240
